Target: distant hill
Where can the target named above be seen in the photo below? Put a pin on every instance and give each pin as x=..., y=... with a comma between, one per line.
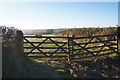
x=43, y=31
x=80, y=32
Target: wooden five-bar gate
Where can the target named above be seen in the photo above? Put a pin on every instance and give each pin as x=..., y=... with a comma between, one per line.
x=70, y=48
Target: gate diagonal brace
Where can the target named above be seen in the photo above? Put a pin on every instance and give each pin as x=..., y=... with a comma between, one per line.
x=103, y=43
x=35, y=47
x=39, y=45
x=58, y=45
x=42, y=52
x=84, y=46
x=106, y=44
x=31, y=45
x=86, y=50
x=57, y=49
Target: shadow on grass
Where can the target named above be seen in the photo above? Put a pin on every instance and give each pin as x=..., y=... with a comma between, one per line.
x=20, y=66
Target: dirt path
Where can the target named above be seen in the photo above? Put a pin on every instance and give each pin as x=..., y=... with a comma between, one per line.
x=101, y=68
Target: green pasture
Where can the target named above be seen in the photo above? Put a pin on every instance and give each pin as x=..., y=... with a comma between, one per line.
x=60, y=51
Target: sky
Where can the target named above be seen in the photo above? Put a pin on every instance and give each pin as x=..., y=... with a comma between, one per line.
x=54, y=15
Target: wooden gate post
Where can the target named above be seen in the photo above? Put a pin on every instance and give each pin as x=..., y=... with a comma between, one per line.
x=70, y=48
x=19, y=42
x=118, y=40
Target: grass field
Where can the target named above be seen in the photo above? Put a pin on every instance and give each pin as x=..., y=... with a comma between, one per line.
x=52, y=47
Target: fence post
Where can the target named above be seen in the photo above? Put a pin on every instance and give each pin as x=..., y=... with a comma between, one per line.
x=70, y=48
x=19, y=42
x=118, y=40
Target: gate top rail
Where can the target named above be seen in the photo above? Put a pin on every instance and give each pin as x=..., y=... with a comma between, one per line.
x=96, y=36
x=45, y=37
x=69, y=37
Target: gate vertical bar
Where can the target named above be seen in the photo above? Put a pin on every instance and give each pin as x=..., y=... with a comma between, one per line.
x=70, y=47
